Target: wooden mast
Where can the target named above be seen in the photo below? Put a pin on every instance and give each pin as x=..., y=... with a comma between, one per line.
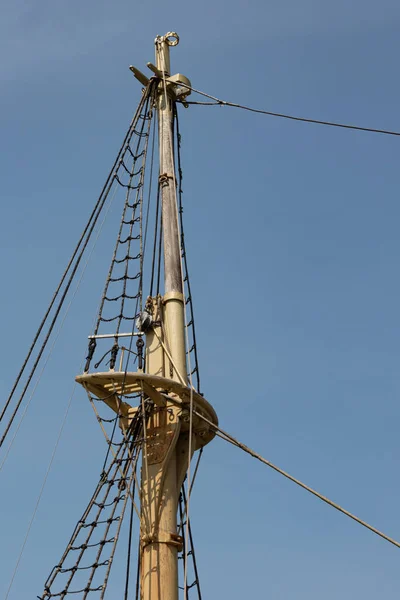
x=161, y=476
x=172, y=431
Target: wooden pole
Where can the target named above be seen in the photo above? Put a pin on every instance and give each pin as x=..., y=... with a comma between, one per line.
x=165, y=454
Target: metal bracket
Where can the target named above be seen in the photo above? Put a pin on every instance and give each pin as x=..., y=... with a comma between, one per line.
x=164, y=178
x=154, y=395
x=115, y=335
x=171, y=38
x=172, y=539
x=139, y=75
x=178, y=86
x=156, y=71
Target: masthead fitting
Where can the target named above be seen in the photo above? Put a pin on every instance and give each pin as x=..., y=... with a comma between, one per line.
x=171, y=38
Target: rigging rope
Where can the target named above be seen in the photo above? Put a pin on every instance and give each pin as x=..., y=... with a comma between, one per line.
x=147, y=116
x=120, y=273
x=200, y=454
x=218, y=102
x=142, y=133
x=57, y=335
x=128, y=557
x=73, y=264
x=41, y=492
x=109, y=441
x=61, y=282
x=192, y=345
x=84, y=542
x=67, y=409
x=229, y=438
x=188, y=547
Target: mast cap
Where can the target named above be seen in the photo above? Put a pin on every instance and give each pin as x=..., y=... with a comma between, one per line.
x=171, y=38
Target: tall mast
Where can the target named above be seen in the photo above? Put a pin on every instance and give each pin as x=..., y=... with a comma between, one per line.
x=175, y=418
x=162, y=479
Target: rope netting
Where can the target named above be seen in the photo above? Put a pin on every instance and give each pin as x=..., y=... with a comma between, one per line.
x=122, y=298
x=117, y=343
x=84, y=567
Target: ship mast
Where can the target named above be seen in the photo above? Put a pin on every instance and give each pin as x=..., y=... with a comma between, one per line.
x=171, y=409
x=162, y=417
x=162, y=478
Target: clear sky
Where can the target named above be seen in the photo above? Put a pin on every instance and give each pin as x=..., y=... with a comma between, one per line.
x=293, y=243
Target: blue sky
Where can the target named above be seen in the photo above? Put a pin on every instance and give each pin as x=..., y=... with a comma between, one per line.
x=292, y=234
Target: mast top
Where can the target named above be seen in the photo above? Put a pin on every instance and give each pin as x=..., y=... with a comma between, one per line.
x=178, y=85
x=171, y=38
x=163, y=43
